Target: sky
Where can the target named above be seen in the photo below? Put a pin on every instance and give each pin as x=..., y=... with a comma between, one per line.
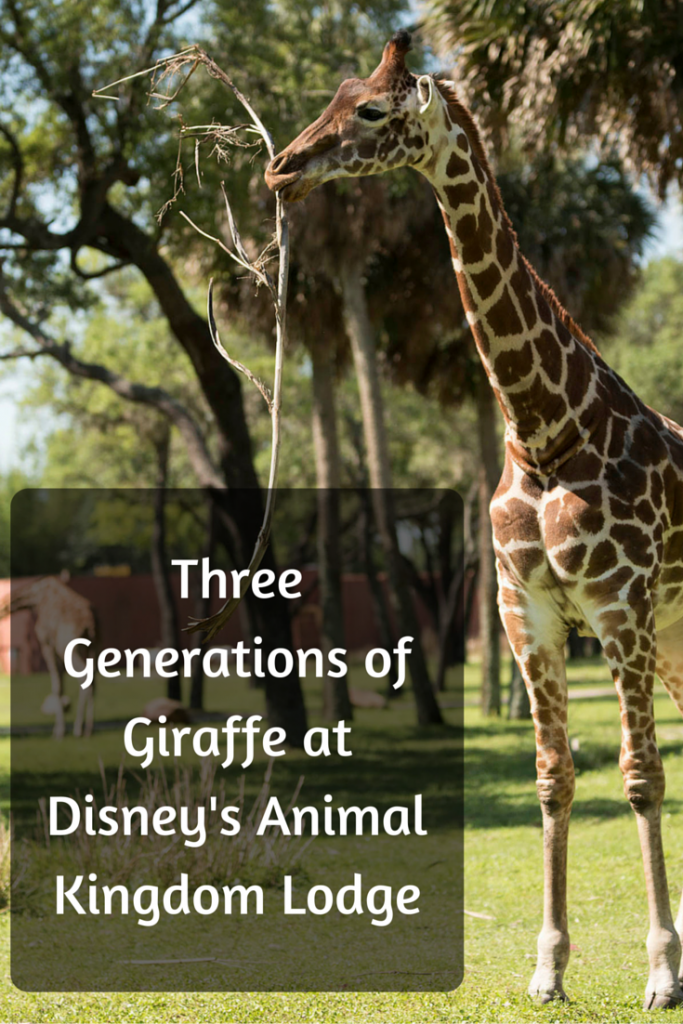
x=668, y=239
x=8, y=427
x=14, y=433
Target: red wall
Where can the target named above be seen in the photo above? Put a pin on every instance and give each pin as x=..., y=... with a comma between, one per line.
x=128, y=616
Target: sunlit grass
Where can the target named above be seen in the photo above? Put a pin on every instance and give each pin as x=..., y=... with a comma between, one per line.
x=608, y=912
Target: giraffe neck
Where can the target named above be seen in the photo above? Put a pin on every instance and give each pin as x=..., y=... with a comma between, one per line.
x=525, y=340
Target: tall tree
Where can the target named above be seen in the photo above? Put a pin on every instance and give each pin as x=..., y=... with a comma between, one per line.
x=106, y=167
x=89, y=158
x=568, y=69
x=284, y=701
x=346, y=226
x=336, y=701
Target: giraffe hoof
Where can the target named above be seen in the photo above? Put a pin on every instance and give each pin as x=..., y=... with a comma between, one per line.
x=655, y=1002
x=542, y=994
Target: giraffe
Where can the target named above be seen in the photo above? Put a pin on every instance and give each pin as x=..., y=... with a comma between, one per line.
x=61, y=615
x=588, y=515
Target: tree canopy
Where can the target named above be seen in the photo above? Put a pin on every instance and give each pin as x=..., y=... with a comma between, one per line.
x=646, y=346
x=568, y=70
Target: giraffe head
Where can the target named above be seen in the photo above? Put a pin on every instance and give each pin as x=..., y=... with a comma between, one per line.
x=372, y=125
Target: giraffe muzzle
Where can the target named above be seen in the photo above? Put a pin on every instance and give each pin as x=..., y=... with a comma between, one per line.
x=279, y=182
x=297, y=164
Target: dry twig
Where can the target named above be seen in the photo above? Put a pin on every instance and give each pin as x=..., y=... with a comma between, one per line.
x=167, y=70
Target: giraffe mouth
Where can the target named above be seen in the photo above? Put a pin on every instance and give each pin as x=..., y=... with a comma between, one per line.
x=293, y=188
x=281, y=179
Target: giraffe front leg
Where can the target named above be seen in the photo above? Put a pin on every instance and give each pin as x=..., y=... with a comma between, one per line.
x=57, y=702
x=678, y=925
x=541, y=662
x=555, y=786
x=644, y=787
x=643, y=775
x=670, y=671
x=85, y=713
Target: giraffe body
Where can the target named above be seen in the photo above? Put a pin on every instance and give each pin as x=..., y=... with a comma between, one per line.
x=61, y=615
x=588, y=517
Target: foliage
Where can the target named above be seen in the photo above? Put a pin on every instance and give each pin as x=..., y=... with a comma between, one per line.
x=583, y=226
x=568, y=70
x=10, y=483
x=289, y=58
x=504, y=856
x=646, y=347
x=99, y=440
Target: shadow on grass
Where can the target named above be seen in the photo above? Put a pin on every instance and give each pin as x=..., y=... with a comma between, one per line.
x=385, y=771
x=388, y=768
x=501, y=786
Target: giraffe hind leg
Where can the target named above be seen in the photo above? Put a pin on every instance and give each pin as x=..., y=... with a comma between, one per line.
x=57, y=701
x=85, y=710
x=629, y=640
x=670, y=671
x=537, y=642
x=670, y=661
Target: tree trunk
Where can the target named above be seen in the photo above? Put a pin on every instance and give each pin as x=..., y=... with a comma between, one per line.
x=489, y=475
x=221, y=386
x=454, y=613
x=170, y=632
x=336, y=702
x=519, y=707
x=447, y=623
x=202, y=609
x=379, y=604
x=361, y=337
x=219, y=382
x=285, y=706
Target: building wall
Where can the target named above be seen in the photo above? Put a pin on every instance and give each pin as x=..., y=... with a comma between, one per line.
x=128, y=616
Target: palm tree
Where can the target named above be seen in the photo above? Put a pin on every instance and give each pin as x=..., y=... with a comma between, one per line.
x=340, y=231
x=568, y=70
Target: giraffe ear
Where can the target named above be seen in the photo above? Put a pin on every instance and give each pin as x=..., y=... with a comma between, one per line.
x=425, y=92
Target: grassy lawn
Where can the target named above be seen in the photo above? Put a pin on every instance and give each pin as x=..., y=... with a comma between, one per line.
x=503, y=848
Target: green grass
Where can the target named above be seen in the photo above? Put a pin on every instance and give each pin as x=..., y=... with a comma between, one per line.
x=503, y=847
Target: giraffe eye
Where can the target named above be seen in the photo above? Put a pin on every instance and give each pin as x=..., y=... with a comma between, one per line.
x=370, y=114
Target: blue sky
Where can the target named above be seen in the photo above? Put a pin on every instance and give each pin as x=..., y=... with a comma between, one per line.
x=668, y=240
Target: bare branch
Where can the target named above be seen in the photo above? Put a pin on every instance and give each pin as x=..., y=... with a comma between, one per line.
x=178, y=182
x=183, y=9
x=169, y=68
x=172, y=65
x=214, y=623
x=23, y=353
x=265, y=391
x=218, y=73
x=18, y=162
x=92, y=275
x=236, y=237
x=132, y=391
x=196, y=162
x=186, y=55
x=172, y=69
x=233, y=256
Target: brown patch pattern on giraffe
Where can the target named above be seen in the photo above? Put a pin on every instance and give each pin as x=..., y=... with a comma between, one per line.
x=588, y=518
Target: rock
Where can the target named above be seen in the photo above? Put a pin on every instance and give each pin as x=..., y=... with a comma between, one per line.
x=367, y=699
x=173, y=709
x=50, y=705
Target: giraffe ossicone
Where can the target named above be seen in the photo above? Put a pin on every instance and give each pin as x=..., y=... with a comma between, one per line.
x=588, y=516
